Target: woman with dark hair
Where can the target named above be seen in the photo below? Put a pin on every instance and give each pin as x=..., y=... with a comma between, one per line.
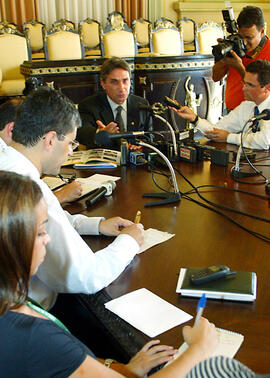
x=33, y=342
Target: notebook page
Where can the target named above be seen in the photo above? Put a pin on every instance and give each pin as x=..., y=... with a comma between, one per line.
x=229, y=344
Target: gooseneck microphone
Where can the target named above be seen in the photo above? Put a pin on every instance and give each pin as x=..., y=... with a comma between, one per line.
x=265, y=115
x=156, y=108
x=104, y=137
x=106, y=189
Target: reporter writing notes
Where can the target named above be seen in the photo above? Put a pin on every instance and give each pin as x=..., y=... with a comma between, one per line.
x=44, y=131
x=251, y=28
x=69, y=192
x=38, y=342
x=257, y=94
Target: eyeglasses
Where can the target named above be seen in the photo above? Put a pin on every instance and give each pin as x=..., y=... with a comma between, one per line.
x=73, y=143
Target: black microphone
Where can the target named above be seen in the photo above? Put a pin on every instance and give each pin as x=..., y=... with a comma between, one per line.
x=147, y=108
x=265, y=115
x=156, y=108
x=104, y=137
x=105, y=190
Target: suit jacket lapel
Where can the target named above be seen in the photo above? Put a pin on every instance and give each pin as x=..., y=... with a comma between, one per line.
x=105, y=111
x=132, y=114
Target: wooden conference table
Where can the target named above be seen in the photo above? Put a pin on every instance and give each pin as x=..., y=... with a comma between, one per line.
x=202, y=238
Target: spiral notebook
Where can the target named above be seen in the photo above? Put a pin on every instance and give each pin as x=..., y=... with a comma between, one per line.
x=228, y=344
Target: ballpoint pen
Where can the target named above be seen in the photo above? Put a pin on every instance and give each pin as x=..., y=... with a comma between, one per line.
x=67, y=180
x=200, y=307
x=137, y=217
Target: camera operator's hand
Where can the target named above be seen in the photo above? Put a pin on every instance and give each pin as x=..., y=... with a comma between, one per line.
x=235, y=61
x=220, y=68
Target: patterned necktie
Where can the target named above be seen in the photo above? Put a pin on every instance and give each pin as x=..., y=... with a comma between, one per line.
x=119, y=119
x=256, y=126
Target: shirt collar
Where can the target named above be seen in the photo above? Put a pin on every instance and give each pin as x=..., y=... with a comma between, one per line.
x=113, y=105
x=3, y=145
x=265, y=104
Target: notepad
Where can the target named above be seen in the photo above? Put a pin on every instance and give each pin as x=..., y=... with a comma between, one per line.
x=88, y=184
x=228, y=344
x=240, y=287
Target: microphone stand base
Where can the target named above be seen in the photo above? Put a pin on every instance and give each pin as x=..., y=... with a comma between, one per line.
x=168, y=198
x=238, y=174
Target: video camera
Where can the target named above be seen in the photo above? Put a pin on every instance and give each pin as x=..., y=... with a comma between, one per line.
x=232, y=42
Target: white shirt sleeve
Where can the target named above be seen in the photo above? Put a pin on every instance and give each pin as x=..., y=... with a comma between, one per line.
x=234, y=123
x=70, y=266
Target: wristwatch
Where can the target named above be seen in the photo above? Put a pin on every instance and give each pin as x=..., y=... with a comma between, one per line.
x=195, y=120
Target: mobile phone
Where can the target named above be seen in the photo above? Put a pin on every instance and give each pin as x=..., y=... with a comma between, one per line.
x=170, y=102
x=211, y=273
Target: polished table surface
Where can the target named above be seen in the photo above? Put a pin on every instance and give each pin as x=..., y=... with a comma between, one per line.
x=202, y=238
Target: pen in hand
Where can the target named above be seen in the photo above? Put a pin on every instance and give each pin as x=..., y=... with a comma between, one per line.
x=200, y=307
x=137, y=217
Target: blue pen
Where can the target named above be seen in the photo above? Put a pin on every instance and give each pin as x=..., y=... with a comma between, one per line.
x=200, y=307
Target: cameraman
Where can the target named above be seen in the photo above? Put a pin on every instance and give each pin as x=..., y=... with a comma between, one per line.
x=256, y=87
x=251, y=29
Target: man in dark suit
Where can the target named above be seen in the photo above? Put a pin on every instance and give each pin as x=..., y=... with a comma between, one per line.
x=115, y=109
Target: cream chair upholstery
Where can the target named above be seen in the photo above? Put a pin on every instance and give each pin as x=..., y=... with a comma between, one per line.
x=36, y=31
x=14, y=50
x=117, y=38
x=141, y=29
x=62, y=44
x=207, y=35
x=188, y=28
x=90, y=31
x=166, y=39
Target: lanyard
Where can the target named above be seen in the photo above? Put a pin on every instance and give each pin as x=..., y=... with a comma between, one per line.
x=37, y=307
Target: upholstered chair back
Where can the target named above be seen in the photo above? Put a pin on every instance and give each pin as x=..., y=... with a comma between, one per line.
x=166, y=39
x=14, y=50
x=89, y=31
x=207, y=35
x=63, y=45
x=117, y=38
x=141, y=29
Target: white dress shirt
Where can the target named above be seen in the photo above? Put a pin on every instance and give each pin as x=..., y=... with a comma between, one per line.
x=3, y=145
x=114, y=107
x=235, y=121
x=70, y=266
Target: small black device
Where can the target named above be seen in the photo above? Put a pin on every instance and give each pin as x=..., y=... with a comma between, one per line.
x=213, y=272
x=170, y=102
x=232, y=42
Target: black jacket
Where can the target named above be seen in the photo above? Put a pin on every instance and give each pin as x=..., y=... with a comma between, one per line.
x=97, y=107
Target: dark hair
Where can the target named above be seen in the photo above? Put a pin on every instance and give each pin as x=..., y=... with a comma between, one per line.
x=250, y=16
x=7, y=112
x=44, y=110
x=110, y=64
x=32, y=83
x=19, y=196
x=262, y=68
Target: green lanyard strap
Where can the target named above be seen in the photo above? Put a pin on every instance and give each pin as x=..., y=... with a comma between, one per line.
x=37, y=307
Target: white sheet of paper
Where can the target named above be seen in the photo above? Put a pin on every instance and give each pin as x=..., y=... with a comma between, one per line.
x=147, y=312
x=153, y=237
